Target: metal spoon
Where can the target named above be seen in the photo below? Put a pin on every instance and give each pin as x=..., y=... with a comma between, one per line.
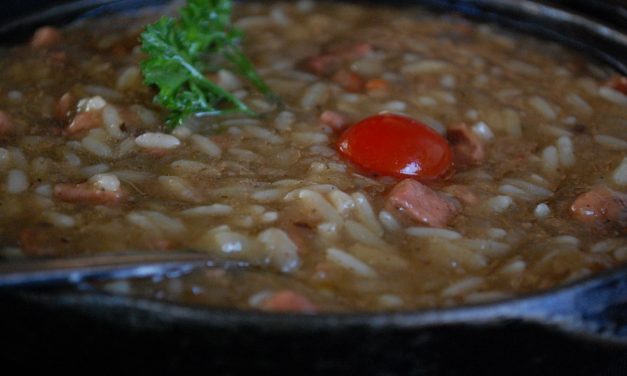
x=106, y=267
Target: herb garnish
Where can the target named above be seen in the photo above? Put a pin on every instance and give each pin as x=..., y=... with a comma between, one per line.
x=181, y=52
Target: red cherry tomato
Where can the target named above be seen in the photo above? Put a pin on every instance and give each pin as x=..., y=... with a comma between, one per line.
x=396, y=145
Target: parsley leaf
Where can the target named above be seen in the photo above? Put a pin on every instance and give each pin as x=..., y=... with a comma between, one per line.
x=182, y=52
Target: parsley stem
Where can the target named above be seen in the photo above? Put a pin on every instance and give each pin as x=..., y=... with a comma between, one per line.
x=215, y=89
x=177, y=54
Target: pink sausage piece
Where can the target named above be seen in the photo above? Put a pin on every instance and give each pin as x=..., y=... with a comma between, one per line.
x=46, y=36
x=86, y=193
x=6, y=124
x=335, y=120
x=601, y=207
x=327, y=63
x=420, y=203
x=288, y=301
x=468, y=149
x=84, y=121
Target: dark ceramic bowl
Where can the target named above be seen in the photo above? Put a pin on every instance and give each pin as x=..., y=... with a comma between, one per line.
x=579, y=329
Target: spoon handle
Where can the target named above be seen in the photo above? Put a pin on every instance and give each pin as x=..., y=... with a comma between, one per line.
x=104, y=267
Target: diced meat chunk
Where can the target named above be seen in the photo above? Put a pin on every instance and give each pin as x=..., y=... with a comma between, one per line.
x=334, y=120
x=462, y=192
x=618, y=83
x=63, y=106
x=323, y=64
x=377, y=84
x=43, y=240
x=6, y=124
x=420, y=203
x=88, y=193
x=349, y=80
x=46, y=36
x=601, y=207
x=84, y=121
x=33, y=242
x=468, y=149
x=160, y=244
x=351, y=51
x=288, y=301
x=329, y=62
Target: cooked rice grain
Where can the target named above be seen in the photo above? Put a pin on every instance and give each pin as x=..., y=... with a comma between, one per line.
x=425, y=67
x=365, y=214
x=179, y=188
x=97, y=147
x=620, y=173
x=315, y=204
x=501, y=203
x=542, y=211
x=205, y=145
x=280, y=249
x=59, y=219
x=613, y=96
x=157, y=140
x=543, y=107
x=316, y=95
x=17, y=181
x=463, y=287
x=550, y=160
x=360, y=233
x=566, y=151
x=427, y=232
x=610, y=142
x=345, y=260
x=209, y=210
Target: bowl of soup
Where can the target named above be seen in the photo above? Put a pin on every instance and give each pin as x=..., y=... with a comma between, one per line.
x=422, y=179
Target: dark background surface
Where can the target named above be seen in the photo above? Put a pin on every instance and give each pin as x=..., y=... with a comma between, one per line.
x=612, y=12
x=19, y=17
x=45, y=336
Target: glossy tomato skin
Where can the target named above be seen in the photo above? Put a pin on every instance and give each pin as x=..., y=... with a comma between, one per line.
x=395, y=145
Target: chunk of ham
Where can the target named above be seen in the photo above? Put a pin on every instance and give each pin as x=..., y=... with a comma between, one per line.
x=601, y=207
x=88, y=193
x=34, y=242
x=335, y=120
x=7, y=126
x=420, y=203
x=330, y=62
x=84, y=121
x=349, y=80
x=618, y=83
x=287, y=301
x=468, y=149
x=322, y=65
x=351, y=51
x=46, y=36
x=377, y=84
x=64, y=106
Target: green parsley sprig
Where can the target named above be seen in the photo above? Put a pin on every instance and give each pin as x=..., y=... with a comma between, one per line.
x=181, y=52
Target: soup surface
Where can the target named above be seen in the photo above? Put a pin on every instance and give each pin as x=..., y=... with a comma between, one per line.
x=533, y=197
